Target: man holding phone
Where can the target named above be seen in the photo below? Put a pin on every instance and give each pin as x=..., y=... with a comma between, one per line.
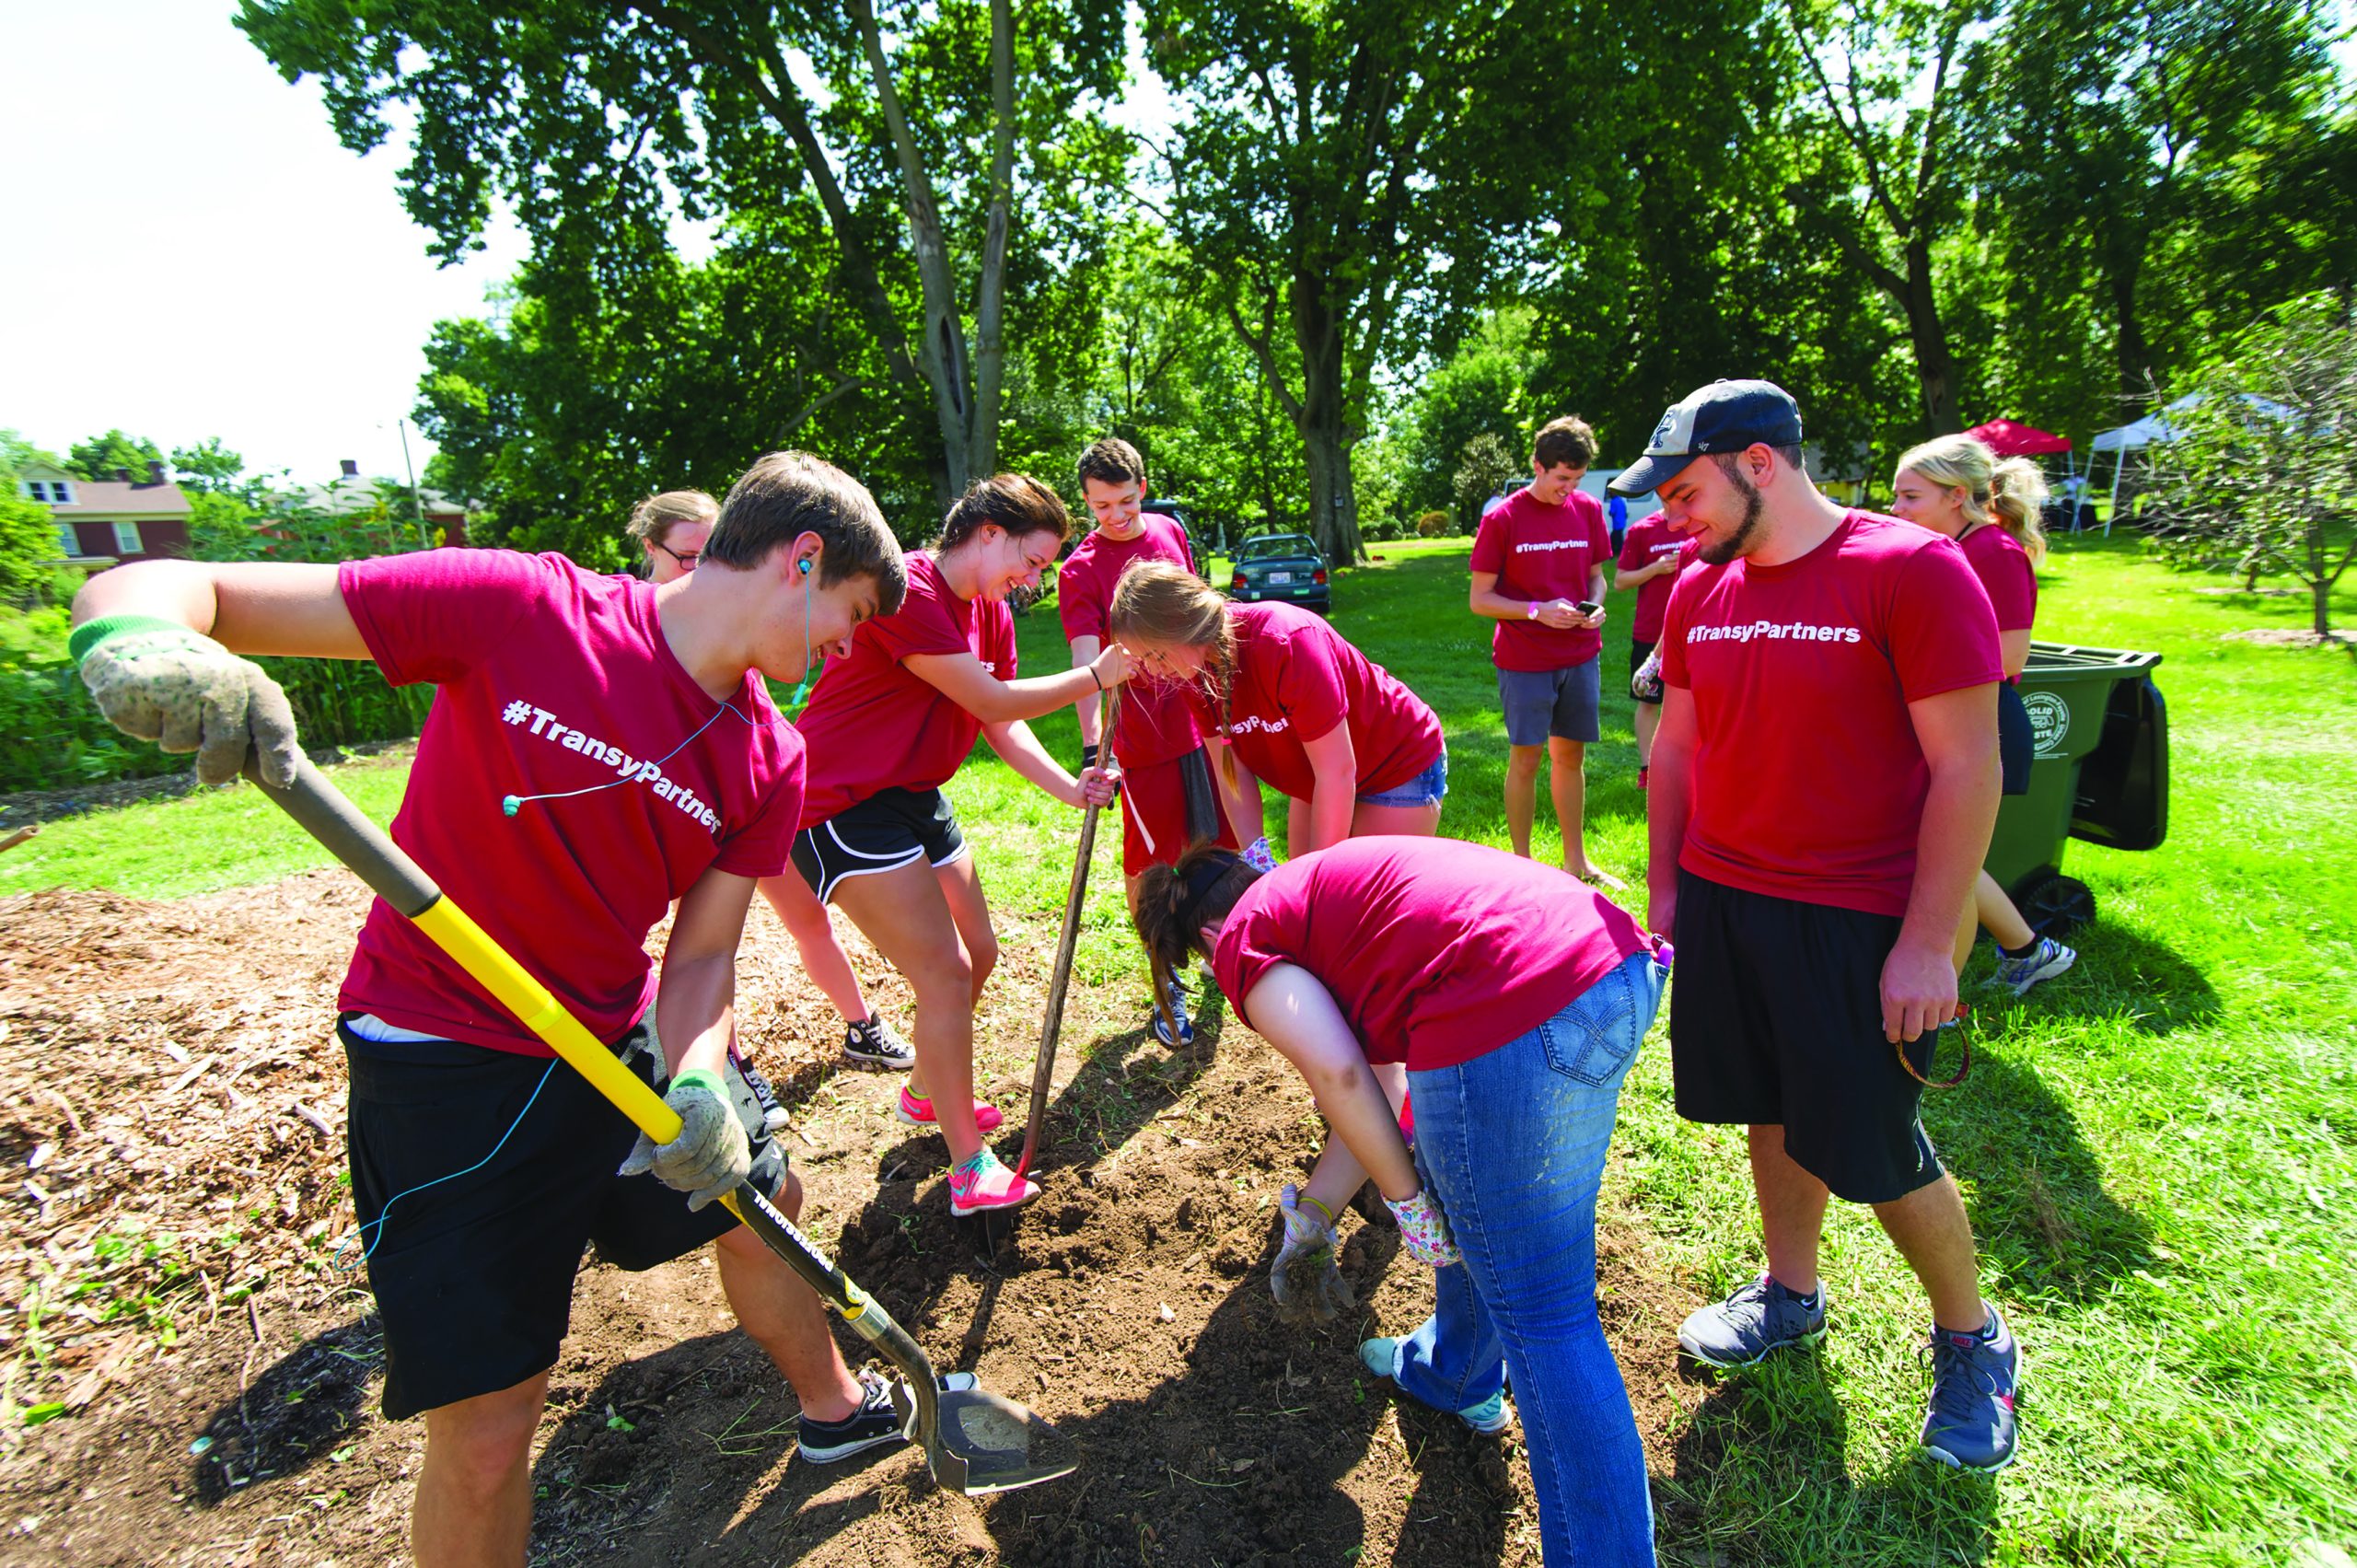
x=1539, y=564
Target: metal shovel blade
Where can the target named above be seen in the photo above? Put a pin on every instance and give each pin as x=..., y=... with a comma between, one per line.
x=983, y=1442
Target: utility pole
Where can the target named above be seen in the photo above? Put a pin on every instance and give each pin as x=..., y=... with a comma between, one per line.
x=416, y=501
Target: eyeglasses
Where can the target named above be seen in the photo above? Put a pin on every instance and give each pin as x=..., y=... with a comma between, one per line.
x=687, y=563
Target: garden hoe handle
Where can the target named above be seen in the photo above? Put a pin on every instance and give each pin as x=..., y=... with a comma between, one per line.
x=323, y=812
x=1061, y=981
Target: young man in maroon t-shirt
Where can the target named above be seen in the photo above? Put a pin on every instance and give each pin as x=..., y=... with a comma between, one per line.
x=1167, y=799
x=628, y=723
x=1539, y=572
x=1826, y=784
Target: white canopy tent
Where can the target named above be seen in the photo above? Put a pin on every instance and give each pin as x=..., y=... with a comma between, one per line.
x=2154, y=429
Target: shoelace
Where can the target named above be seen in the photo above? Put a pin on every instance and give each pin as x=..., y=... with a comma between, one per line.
x=1959, y=1396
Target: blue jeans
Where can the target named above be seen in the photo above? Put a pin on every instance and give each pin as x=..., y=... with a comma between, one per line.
x=1512, y=1143
x=1426, y=788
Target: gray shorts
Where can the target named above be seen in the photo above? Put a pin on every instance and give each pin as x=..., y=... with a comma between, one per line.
x=1542, y=703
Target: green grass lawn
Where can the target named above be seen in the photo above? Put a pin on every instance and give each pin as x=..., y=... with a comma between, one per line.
x=2159, y=1149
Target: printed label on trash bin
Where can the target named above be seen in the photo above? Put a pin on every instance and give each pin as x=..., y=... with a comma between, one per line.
x=2050, y=721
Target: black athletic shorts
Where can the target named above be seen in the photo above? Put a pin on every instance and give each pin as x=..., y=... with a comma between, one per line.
x=890, y=828
x=1775, y=1018
x=2015, y=742
x=473, y=1266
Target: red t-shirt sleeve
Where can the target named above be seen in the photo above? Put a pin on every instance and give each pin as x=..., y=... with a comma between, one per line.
x=764, y=847
x=1490, y=546
x=1309, y=683
x=1672, y=642
x=1083, y=597
x=1633, y=548
x=1943, y=631
x=2011, y=585
x=433, y=615
x=922, y=625
x=998, y=639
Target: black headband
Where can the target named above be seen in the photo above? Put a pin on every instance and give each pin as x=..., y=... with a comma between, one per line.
x=1201, y=883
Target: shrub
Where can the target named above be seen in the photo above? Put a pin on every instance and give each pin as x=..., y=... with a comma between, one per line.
x=1432, y=525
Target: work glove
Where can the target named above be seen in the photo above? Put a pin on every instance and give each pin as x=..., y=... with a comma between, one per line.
x=710, y=1155
x=1088, y=753
x=157, y=681
x=1424, y=1230
x=1309, y=1288
x=1260, y=856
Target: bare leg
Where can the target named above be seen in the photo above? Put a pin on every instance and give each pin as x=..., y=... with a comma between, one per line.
x=1791, y=1211
x=473, y=1507
x=1408, y=821
x=785, y=1318
x=1567, y=781
x=1648, y=719
x=1521, y=793
x=905, y=913
x=1997, y=912
x=823, y=959
x=1932, y=1230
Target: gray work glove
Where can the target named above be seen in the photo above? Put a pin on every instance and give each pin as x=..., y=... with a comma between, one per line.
x=157, y=681
x=1309, y=1288
x=710, y=1155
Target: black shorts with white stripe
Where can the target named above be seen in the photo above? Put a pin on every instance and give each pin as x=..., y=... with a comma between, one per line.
x=890, y=828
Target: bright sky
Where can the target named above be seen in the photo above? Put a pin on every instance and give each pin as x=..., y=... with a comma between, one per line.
x=192, y=253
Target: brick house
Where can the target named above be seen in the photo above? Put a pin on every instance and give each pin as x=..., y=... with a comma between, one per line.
x=103, y=521
x=445, y=518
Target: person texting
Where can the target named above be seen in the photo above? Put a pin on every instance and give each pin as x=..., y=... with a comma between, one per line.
x=1537, y=571
x=878, y=839
x=1956, y=487
x=1515, y=999
x=1168, y=801
x=630, y=724
x=1825, y=781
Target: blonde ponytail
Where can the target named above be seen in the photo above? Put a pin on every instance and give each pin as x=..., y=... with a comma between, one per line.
x=2016, y=498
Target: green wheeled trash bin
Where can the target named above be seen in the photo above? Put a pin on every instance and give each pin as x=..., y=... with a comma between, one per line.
x=2099, y=771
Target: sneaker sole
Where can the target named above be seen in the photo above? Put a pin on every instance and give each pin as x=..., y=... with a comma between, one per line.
x=1506, y=1418
x=840, y=1451
x=985, y=1128
x=883, y=1064
x=967, y=1211
x=1812, y=1337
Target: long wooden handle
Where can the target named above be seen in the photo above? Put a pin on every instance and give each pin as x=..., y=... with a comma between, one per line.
x=1060, y=983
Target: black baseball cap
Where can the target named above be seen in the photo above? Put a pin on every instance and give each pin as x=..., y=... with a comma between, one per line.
x=1726, y=416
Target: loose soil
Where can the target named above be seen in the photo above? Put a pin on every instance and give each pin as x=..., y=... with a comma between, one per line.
x=174, y=1250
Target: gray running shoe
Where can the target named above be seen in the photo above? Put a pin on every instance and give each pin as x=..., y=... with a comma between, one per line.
x=2044, y=961
x=1761, y=1317
x=1971, y=1423
x=874, y=1042
x=1186, y=1035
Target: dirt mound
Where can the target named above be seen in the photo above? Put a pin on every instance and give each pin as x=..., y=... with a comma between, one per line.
x=202, y=1370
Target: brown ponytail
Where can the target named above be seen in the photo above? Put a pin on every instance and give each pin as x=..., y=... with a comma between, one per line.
x=1016, y=503
x=1174, y=902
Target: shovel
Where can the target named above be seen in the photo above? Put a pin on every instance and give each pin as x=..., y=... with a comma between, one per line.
x=974, y=1441
x=1050, y=1028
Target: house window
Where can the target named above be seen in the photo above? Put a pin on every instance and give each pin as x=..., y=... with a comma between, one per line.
x=55, y=492
x=126, y=539
x=69, y=543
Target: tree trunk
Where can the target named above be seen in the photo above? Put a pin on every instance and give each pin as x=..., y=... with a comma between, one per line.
x=2133, y=353
x=1320, y=417
x=1935, y=365
x=990, y=307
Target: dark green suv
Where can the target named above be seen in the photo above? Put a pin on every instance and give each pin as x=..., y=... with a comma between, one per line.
x=1282, y=567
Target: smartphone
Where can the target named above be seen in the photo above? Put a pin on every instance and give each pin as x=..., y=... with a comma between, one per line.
x=1588, y=606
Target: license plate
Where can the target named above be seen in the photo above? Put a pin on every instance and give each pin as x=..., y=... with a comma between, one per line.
x=1280, y=577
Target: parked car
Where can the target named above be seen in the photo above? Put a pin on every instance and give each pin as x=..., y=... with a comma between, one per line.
x=1284, y=566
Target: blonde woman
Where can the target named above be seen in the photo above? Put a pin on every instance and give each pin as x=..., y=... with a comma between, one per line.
x=1955, y=486
x=670, y=530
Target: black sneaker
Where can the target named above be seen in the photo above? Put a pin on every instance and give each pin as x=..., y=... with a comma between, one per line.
x=873, y=1423
x=874, y=1042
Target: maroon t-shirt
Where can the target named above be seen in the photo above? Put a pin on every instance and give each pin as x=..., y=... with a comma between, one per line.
x=872, y=725
x=1648, y=540
x=1542, y=553
x=1296, y=678
x=1808, y=783
x=1436, y=950
x=555, y=682
x=1998, y=559
x=1155, y=725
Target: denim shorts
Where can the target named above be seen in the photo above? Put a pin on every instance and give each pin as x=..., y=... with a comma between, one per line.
x=1427, y=788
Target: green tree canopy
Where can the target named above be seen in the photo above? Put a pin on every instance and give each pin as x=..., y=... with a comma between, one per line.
x=101, y=456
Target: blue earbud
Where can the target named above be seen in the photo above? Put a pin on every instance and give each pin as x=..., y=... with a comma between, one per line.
x=803, y=567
